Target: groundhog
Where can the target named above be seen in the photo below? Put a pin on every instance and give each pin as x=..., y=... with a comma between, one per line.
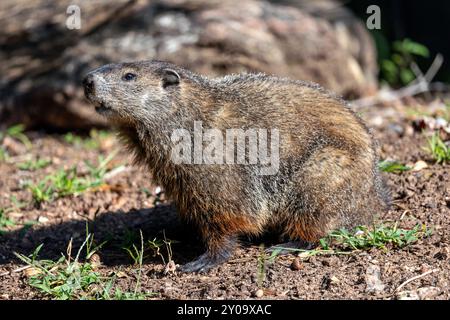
x=253, y=152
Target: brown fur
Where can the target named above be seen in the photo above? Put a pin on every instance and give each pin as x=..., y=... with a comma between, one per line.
x=327, y=177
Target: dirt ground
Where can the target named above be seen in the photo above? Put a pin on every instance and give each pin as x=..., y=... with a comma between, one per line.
x=117, y=212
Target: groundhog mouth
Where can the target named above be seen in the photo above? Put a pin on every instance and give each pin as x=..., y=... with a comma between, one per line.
x=103, y=108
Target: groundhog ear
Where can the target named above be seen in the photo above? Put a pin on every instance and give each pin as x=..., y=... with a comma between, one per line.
x=170, y=78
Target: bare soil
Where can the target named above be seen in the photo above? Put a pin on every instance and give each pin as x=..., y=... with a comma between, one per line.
x=128, y=204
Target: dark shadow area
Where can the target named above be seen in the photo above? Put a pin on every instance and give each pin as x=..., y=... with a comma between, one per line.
x=119, y=229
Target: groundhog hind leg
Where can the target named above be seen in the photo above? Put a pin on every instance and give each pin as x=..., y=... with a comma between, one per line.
x=333, y=189
x=219, y=250
x=220, y=233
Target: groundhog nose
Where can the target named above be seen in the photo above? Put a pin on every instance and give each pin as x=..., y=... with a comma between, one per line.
x=88, y=83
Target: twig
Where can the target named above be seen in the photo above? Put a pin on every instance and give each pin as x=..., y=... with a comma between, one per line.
x=434, y=68
x=415, y=278
x=15, y=270
x=115, y=172
x=420, y=85
x=404, y=214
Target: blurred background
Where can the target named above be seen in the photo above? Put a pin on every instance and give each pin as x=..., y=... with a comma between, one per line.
x=45, y=52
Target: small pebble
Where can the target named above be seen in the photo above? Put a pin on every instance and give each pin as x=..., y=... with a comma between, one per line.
x=420, y=165
x=42, y=219
x=121, y=274
x=334, y=280
x=398, y=129
x=296, y=264
x=31, y=272
x=95, y=261
x=170, y=267
x=407, y=295
x=427, y=293
x=373, y=279
x=259, y=293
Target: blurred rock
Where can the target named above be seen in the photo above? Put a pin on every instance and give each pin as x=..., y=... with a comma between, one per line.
x=407, y=295
x=40, y=83
x=13, y=146
x=424, y=293
x=419, y=165
x=432, y=124
x=373, y=279
x=427, y=293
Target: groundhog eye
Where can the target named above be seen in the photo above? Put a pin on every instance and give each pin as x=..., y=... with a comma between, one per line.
x=129, y=76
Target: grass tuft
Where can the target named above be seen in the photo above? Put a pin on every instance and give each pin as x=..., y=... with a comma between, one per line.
x=70, y=279
x=380, y=237
x=392, y=166
x=94, y=141
x=154, y=245
x=33, y=165
x=344, y=242
x=5, y=221
x=68, y=182
x=438, y=149
x=15, y=132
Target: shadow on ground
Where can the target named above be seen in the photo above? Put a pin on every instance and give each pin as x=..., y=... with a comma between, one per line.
x=119, y=229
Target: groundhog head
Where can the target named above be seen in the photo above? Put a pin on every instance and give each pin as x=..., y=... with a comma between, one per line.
x=131, y=91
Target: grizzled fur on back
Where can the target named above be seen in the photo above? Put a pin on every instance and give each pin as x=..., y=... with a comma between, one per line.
x=327, y=178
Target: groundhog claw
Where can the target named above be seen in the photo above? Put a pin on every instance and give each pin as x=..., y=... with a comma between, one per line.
x=203, y=263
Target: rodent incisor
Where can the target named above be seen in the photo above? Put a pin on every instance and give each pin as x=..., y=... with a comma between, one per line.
x=327, y=176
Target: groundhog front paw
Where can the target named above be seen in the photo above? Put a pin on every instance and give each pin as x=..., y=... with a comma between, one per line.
x=203, y=263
